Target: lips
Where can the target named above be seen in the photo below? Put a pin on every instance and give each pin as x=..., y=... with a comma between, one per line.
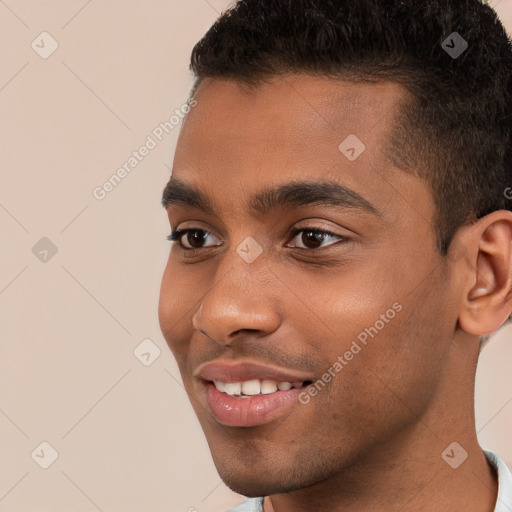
x=234, y=399
x=245, y=371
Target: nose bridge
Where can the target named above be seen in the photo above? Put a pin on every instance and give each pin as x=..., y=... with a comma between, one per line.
x=240, y=298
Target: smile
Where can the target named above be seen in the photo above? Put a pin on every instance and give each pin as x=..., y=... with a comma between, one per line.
x=255, y=387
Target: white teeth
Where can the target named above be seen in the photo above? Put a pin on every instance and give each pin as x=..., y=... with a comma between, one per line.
x=251, y=387
x=254, y=387
x=268, y=386
x=233, y=388
x=221, y=386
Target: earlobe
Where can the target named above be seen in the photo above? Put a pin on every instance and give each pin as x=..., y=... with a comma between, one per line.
x=486, y=274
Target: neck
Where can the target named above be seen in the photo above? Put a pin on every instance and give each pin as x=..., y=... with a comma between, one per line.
x=419, y=469
x=413, y=478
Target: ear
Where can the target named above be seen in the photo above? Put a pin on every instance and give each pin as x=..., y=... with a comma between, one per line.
x=484, y=273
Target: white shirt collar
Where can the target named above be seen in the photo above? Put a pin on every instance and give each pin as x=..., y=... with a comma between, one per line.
x=504, y=501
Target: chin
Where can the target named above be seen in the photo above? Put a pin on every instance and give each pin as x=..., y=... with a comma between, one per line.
x=252, y=486
x=253, y=479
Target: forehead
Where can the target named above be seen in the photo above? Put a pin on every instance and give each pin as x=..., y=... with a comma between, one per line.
x=292, y=118
x=314, y=104
x=295, y=127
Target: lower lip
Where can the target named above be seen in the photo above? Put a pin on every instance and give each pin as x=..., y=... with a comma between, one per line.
x=255, y=410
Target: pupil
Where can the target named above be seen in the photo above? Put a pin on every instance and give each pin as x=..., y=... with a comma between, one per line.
x=313, y=235
x=196, y=238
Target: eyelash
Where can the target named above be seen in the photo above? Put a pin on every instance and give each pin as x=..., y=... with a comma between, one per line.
x=177, y=234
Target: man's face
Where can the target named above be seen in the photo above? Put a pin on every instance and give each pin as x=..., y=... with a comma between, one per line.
x=269, y=302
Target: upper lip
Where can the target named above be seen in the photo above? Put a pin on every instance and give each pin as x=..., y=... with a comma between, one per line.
x=225, y=371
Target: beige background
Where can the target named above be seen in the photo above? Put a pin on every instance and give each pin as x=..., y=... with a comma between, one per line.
x=127, y=438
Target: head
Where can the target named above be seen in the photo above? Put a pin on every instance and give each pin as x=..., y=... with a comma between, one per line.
x=354, y=228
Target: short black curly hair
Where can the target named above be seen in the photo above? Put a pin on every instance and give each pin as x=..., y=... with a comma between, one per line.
x=456, y=130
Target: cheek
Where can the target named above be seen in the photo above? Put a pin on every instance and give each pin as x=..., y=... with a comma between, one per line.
x=175, y=310
x=395, y=377
x=378, y=338
x=340, y=306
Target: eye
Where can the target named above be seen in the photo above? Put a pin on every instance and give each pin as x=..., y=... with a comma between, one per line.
x=311, y=237
x=194, y=242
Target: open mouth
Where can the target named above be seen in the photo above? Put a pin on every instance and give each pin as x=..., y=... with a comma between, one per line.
x=248, y=394
x=256, y=387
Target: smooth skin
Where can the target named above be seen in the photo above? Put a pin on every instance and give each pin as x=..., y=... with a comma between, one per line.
x=372, y=439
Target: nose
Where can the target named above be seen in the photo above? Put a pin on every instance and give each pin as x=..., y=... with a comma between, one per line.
x=241, y=299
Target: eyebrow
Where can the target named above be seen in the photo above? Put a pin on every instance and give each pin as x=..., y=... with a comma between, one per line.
x=294, y=194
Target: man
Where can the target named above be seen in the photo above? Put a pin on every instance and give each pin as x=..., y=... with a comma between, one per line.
x=341, y=247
